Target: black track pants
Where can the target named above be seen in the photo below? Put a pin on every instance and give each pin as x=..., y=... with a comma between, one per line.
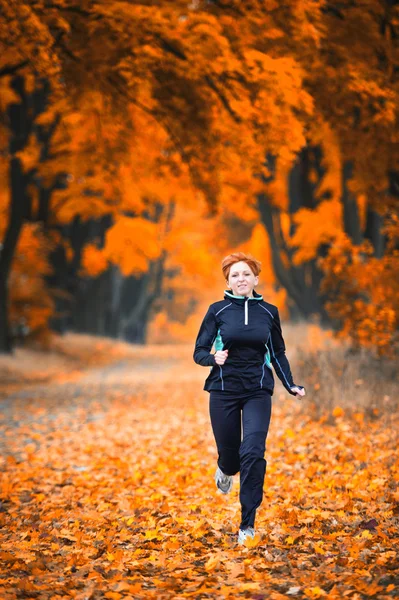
x=242, y=452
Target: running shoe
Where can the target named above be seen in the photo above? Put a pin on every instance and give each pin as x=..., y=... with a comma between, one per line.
x=224, y=483
x=245, y=534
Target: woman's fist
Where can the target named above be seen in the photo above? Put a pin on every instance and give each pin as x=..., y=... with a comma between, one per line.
x=299, y=391
x=221, y=356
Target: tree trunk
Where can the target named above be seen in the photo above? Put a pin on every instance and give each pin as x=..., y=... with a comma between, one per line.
x=302, y=282
x=92, y=304
x=134, y=298
x=22, y=117
x=350, y=208
x=113, y=322
x=373, y=232
x=5, y=338
x=18, y=207
x=139, y=297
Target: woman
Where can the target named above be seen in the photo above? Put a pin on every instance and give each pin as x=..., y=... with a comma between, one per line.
x=247, y=335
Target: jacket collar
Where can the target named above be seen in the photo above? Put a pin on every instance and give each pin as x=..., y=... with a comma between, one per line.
x=228, y=295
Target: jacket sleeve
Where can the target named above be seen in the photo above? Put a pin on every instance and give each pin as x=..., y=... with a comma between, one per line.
x=278, y=358
x=204, y=342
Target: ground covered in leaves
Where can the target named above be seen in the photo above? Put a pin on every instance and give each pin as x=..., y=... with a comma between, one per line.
x=107, y=491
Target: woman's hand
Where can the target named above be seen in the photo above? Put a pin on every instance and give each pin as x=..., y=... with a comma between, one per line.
x=221, y=356
x=299, y=391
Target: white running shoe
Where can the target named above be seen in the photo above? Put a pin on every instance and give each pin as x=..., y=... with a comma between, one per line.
x=224, y=483
x=244, y=534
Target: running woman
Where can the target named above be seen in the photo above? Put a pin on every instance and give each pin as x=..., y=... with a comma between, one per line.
x=246, y=333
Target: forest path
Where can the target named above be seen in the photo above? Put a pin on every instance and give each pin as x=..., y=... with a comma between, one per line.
x=107, y=491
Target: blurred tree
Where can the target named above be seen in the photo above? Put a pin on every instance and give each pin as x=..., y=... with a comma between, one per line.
x=22, y=116
x=155, y=66
x=165, y=97
x=340, y=186
x=353, y=80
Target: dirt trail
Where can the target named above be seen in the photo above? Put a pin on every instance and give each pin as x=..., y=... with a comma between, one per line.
x=89, y=395
x=107, y=491
x=129, y=375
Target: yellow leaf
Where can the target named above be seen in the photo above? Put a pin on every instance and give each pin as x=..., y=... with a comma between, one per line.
x=314, y=592
x=249, y=587
x=131, y=243
x=212, y=563
x=338, y=411
x=289, y=433
x=253, y=542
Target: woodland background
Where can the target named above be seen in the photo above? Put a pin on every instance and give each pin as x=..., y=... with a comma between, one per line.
x=143, y=141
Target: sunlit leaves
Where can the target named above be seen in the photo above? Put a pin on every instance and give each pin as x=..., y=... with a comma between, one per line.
x=316, y=227
x=100, y=493
x=131, y=243
x=174, y=103
x=31, y=302
x=366, y=296
x=94, y=261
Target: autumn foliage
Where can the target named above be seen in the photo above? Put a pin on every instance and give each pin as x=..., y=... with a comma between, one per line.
x=107, y=491
x=238, y=114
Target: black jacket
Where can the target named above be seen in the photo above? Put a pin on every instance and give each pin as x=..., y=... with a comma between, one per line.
x=249, y=328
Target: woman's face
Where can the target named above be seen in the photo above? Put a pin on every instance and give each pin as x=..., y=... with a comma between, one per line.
x=241, y=279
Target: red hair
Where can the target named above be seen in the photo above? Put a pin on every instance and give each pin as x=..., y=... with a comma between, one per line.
x=236, y=257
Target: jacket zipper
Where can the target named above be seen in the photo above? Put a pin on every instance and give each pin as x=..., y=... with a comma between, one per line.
x=246, y=311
